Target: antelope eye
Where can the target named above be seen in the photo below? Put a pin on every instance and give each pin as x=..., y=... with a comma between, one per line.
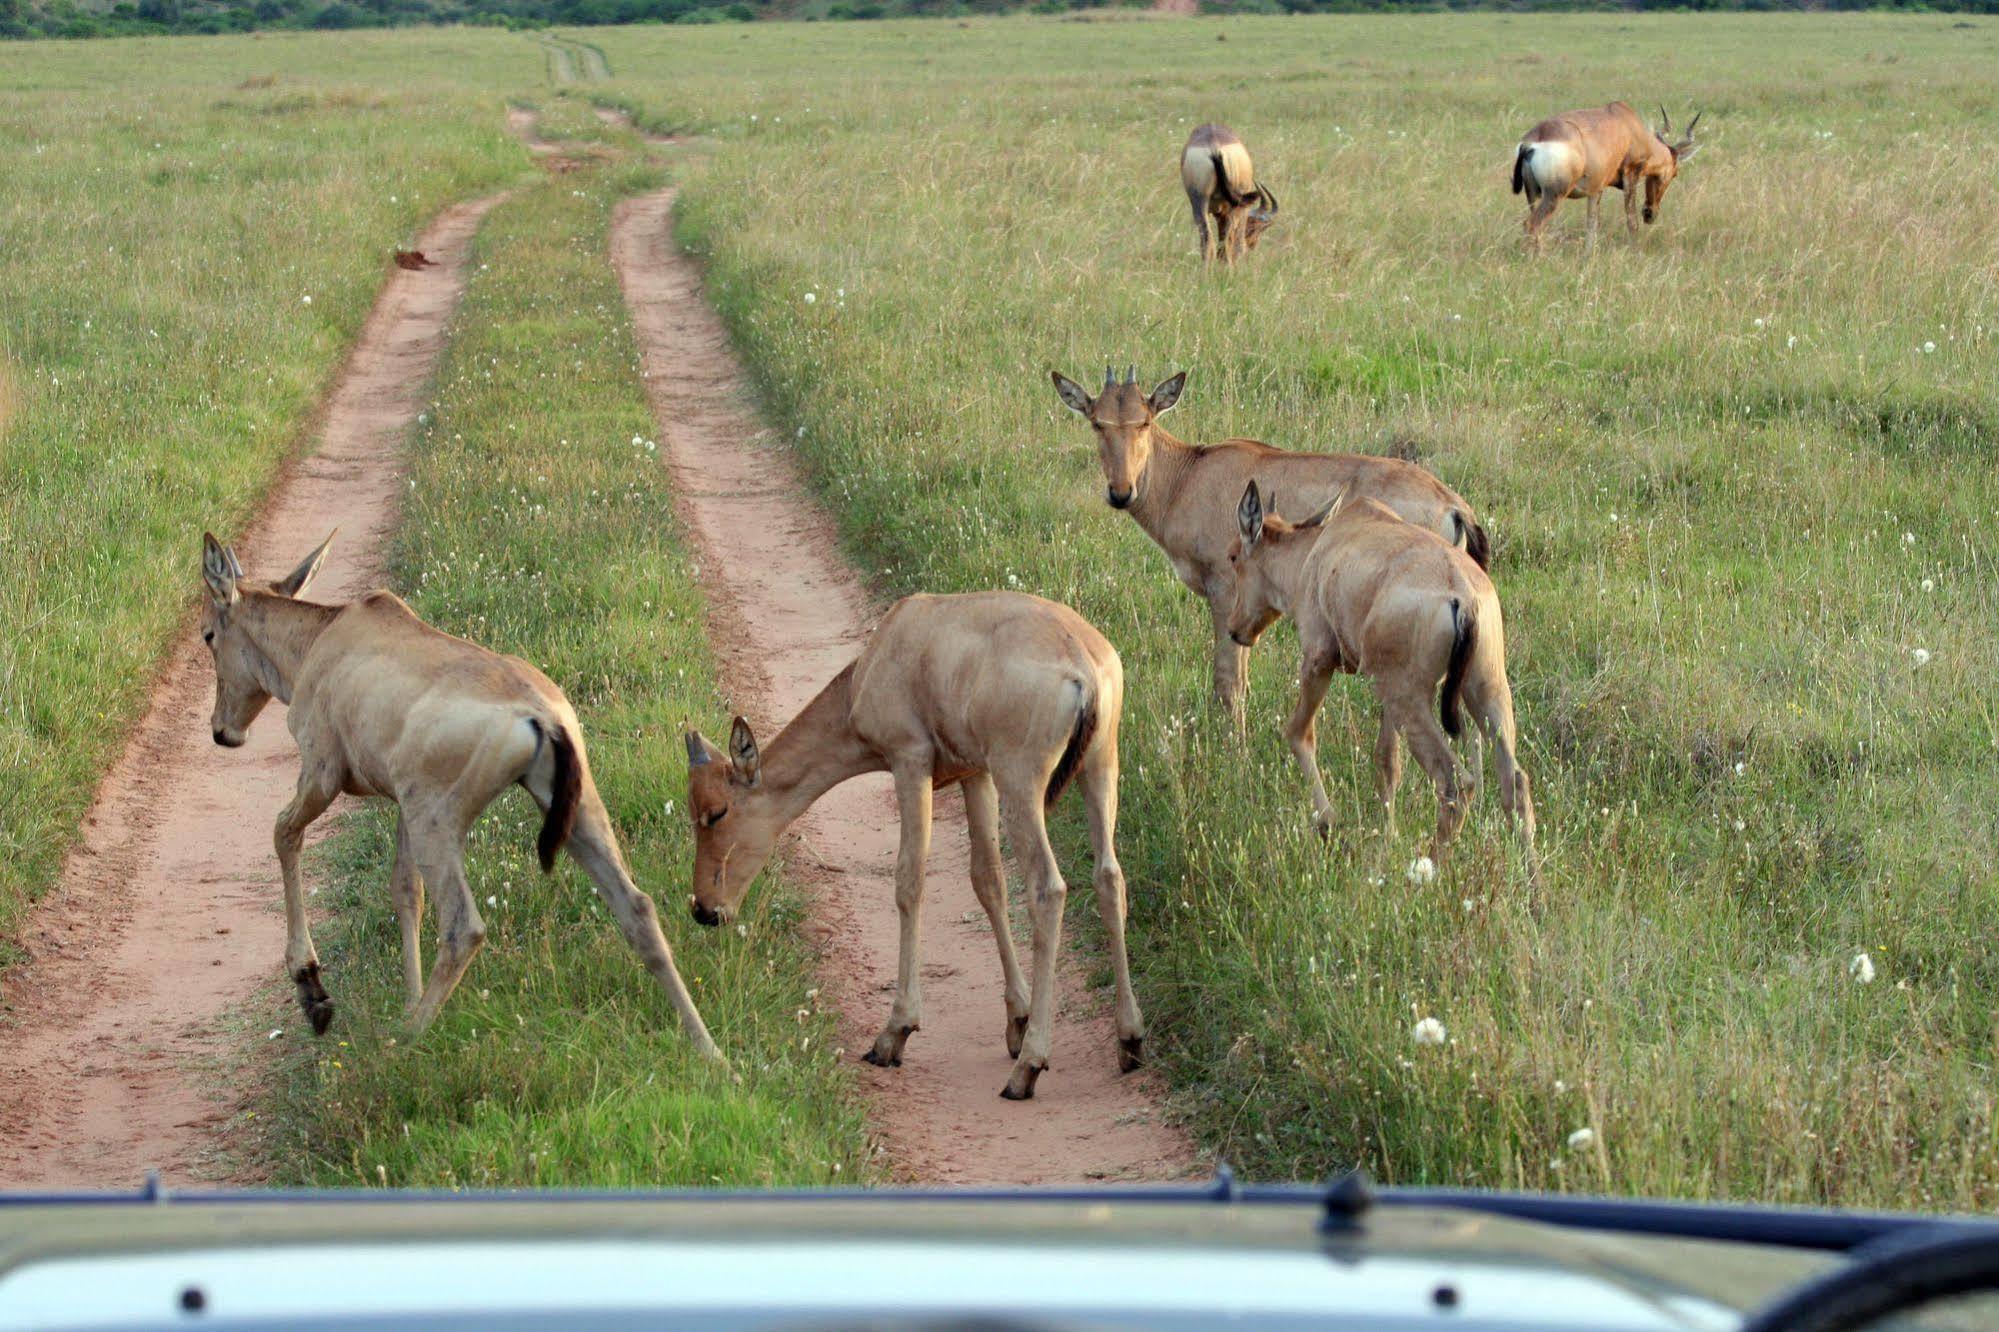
x=711, y=819
x=208, y=635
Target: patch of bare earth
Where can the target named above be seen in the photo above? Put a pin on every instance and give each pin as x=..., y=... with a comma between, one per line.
x=168, y=917
x=788, y=612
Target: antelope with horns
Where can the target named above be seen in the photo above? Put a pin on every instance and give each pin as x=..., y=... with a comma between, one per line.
x=1221, y=184
x=1580, y=154
x=1380, y=597
x=1179, y=494
x=381, y=704
x=1003, y=693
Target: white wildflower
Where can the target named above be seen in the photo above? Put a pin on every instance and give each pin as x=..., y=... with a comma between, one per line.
x=811, y=296
x=1908, y=538
x=1759, y=321
x=1929, y=585
x=1422, y=870
x=492, y=900
x=1861, y=968
x=1428, y=1032
x=742, y=931
x=275, y=1033
x=306, y=299
x=1920, y=656
x=1582, y=1138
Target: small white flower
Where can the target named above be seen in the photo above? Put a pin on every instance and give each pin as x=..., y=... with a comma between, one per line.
x=1581, y=1138
x=492, y=900
x=1861, y=968
x=811, y=296
x=1740, y=825
x=1741, y=768
x=1929, y=347
x=1428, y=1032
x=1908, y=538
x=1929, y=585
x=275, y=1033
x=1920, y=656
x=1791, y=341
x=1759, y=322
x=742, y=931
x=1613, y=517
x=306, y=299
x=1422, y=870
x=801, y=432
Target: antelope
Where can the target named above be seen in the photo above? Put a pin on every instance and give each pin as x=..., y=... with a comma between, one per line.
x=1376, y=596
x=1002, y=693
x=1579, y=154
x=1221, y=184
x=381, y=704
x=1176, y=491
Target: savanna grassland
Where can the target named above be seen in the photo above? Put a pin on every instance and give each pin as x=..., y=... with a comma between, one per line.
x=1740, y=476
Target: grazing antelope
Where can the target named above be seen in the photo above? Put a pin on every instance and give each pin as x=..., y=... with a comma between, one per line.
x=1579, y=154
x=1003, y=693
x=1381, y=597
x=381, y=704
x=1177, y=492
x=1221, y=184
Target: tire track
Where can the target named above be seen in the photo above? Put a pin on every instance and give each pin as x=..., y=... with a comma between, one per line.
x=168, y=914
x=788, y=611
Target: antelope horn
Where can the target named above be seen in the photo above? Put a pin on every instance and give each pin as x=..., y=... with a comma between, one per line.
x=1665, y=119
x=1268, y=198
x=1131, y=374
x=1110, y=376
x=1695, y=121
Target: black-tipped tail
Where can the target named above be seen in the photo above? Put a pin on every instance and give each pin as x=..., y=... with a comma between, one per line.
x=565, y=790
x=1520, y=167
x=1464, y=637
x=1072, y=754
x=1477, y=544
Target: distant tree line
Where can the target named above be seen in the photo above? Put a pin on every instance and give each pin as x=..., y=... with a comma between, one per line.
x=125, y=18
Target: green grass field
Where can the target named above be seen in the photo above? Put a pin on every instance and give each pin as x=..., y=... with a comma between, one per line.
x=1737, y=474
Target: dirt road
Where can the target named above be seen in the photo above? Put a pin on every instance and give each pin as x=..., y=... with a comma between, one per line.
x=168, y=917
x=789, y=612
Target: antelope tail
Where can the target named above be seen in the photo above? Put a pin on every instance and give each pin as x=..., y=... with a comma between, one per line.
x=1477, y=544
x=1080, y=735
x=1464, y=638
x=1520, y=176
x=565, y=789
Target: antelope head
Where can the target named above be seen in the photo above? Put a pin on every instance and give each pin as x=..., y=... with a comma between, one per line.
x=1662, y=173
x=735, y=822
x=1262, y=212
x=243, y=675
x=1261, y=595
x=1122, y=414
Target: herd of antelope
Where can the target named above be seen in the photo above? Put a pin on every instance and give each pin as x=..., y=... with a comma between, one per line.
x=1008, y=696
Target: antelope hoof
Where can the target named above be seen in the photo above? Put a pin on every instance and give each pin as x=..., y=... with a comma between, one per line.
x=1016, y=1032
x=888, y=1047
x=1020, y=1087
x=313, y=999
x=1130, y=1053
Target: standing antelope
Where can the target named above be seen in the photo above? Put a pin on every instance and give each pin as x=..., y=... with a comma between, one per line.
x=1006, y=694
x=1221, y=184
x=381, y=704
x=1579, y=154
x=1178, y=493
x=1383, y=598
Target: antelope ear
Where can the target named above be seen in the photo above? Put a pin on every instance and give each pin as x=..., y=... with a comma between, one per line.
x=1073, y=396
x=217, y=571
x=296, y=581
x=1687, y=150
x=744, y=759
x=1249, y=517
x=1161, y=400
x=1331, y=507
